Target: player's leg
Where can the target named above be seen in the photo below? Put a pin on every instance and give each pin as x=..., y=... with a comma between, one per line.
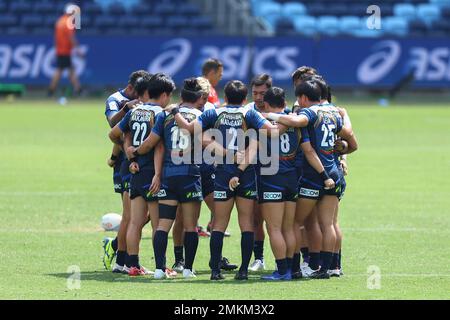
x=289, y=232
x=314, y=235
x=55, y=80
x=258, y=248
x=296, y=274
x=326, y=209
x=245, y=216
x=304, y=246
x=74, y=80
x=178, y=239
x=335, y=269
x=191, y=212
x=167, y=215
x=138, y=218
x=303, y=210
x=273, y=214
x=222, y=215
x=122, y=233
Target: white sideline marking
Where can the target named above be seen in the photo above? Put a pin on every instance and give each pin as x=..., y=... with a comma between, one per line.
x=406, y=275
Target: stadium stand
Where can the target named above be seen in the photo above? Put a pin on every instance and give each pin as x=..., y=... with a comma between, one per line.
x=109, y=17
x=349, y=17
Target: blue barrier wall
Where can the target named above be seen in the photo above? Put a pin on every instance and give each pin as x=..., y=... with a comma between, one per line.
x=344, y=62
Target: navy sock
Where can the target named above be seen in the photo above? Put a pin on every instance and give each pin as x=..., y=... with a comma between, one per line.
x=334, y=261
x=121, y=258
x=314, y=259
x=178, y=251
x=282, y=266
x=115, y=244
x=159, y=248
x=258, y=250
x=326, y=260
x=289, y=263
x=247, y=239
x=191, y=245
x=133, y=261
x=305, y=253
x=215, y=248
x=339, y=259
x=296, y=263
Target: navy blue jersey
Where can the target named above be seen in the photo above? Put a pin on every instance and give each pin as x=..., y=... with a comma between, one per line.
x=177, y=142
x=324, y=123
x=230, y=120
x=288, y=149
x=140, y=121
x=114, y=102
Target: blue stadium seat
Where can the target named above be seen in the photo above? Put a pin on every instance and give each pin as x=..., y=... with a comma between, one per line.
x=201, y=22
x=328, y=25
x=405, y=11
x=358, y=10
x=165, y=8
x=8, y=20
x=397, y=26
x=16, y=31
x=188, y=9
x=44, y=7
x=41, y=31
x=418, y=26
x=32, y=20
x=337, y=9
x=105, y=21
x=128, y=21
x=3, y=7
x=445, y=13
x=316, y=9
x=428, y=13
x=285, y=27
x=50, y=20
x=20, y=7
x=117, y=9
x=293, y=10
x=141, y=9
x=306, y=25
x=151, y=22
x=441, y=3
x=270, y=11
x=349, y=25
x=91, y=8
x=177, y=22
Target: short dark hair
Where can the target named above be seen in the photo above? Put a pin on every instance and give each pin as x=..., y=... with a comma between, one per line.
x=141, y=84
x=262, y=79
x=135, y=75
x=302, y=72
x=310, y=89
x=324, y=88
x=235, y=92
x=275, y=97
x=191, y=91
x=160, y=83
x=211, y=64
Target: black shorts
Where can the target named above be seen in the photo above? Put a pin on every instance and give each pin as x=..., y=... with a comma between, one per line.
x=63, y=62
x=278, y=188
x=181, y=188
x=117, y=177
x=207, y=174
x=125, y=175
x=140, y=183
x=311, y=186
x=246, y=188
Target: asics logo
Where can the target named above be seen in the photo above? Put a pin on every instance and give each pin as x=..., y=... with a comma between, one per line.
x=173, y=58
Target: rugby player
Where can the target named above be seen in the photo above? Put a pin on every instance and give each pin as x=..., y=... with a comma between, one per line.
x=323, y=123
x=259, y=86
x=181, y=183
x=227, y=121
x=212, y=70
x=145, y=168
x=117, y=105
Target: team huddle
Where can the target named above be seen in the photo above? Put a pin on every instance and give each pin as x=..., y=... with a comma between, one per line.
x=283, y=168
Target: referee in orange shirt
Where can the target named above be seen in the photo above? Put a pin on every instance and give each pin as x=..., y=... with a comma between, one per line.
x=65, y=41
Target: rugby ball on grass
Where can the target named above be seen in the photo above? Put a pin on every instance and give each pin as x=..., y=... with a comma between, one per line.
x=111, y=221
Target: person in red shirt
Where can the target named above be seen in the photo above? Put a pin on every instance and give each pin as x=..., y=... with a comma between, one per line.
x=65, y=41
x=212, y=70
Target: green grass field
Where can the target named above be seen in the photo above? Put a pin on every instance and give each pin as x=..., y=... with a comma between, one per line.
x=55, y=186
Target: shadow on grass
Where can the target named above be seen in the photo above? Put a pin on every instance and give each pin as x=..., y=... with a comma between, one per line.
x=108, y=276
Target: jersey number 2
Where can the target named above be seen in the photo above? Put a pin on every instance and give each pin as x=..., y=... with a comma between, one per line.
x=140, y=129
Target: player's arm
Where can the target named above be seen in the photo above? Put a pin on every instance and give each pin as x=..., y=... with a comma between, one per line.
x=344, y=114
x=248, y=159
x=158, y=160
x=313, y=159
x=115, y=135
x=115, y=117
x=114, y=154
x=348, y=135
x=292, y=120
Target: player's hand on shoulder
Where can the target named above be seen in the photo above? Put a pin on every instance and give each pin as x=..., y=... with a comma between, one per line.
x=234, y=183
x=133, y=103
x=134, y=167
x=329, y=184
x=170, y=107
x=341, y=146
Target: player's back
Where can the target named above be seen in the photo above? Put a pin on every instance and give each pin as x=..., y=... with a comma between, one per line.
x=324, y=123
x=140, y=122
x=115, y=102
